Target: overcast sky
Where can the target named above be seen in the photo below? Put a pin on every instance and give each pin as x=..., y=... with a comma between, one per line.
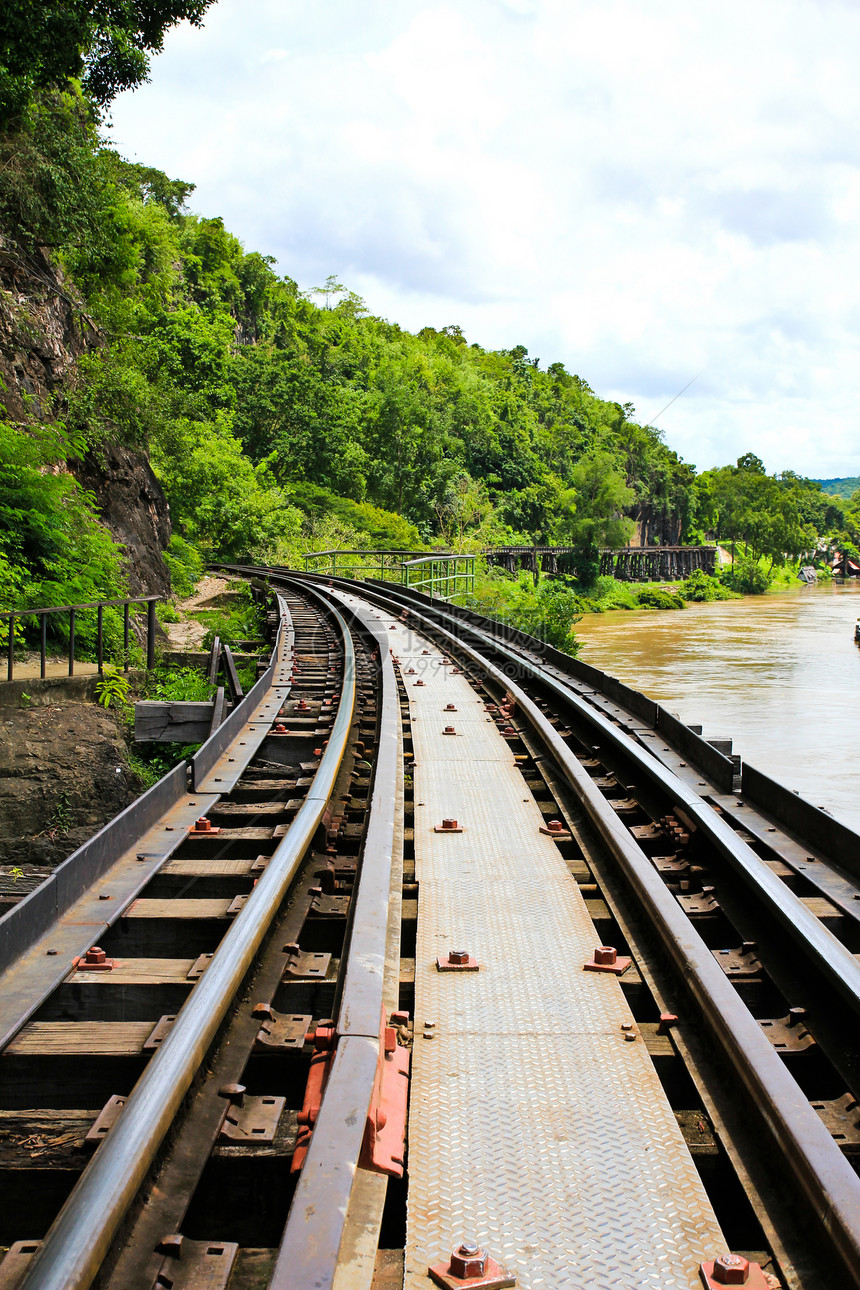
x=646, y=190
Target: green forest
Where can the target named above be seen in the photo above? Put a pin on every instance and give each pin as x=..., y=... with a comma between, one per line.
x=280, y=420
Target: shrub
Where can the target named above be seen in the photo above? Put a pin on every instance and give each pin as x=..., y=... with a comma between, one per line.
x=701, y=586
x=747, y=576
x=184, y=564
x=659, y=598
x=547, y=611
x=112, y=689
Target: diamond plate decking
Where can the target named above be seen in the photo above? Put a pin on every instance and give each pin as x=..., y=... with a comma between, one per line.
x=534, y=1127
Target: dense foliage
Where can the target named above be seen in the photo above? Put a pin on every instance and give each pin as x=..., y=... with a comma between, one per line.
x=105, y=45
x=844, y=487
x=278, y=419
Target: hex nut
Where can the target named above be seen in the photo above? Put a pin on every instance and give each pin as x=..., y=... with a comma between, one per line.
x=468, y=1260
x=731, y=1270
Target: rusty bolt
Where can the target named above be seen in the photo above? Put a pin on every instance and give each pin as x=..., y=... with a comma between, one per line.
x=605, y=954
x=731, y=1270
x=555, y=826
x=301, y=706
x=450, y=730
x=170, y=1246
x=323, y=1036
x=449, y=824
x=280, y=728
x=458, y=956
x=450, y=707
x=468, y=1260
x=95, y=955
x=419, y=682
x=234, y=1093
x=410, y=671
x=202, y=825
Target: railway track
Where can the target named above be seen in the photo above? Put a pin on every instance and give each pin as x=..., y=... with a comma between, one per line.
x=205, y=1085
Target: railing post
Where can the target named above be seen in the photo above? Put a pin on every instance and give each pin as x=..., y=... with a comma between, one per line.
x=100, y=619
x=11, y=664
x=71, y=642
x=150, y=635
x=126, y=609
x=43, y=645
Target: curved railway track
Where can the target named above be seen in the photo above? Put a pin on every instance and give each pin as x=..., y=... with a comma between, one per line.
x=218, y=1092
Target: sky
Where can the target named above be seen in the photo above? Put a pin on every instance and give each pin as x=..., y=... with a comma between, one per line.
x=651, y=192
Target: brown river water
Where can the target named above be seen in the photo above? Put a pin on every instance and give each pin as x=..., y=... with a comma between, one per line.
x=779, y=674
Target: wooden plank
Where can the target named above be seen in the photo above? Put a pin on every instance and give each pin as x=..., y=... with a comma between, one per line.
x=137, y=971
x=218, y=709
x=218, y=868
x=821, y=907
x=40, y=1140
x=232, y=675
x=214, y=660
x=81, y=1038
x=159, y=722
x=246, y=834
x=255, y=810
x=177, y=909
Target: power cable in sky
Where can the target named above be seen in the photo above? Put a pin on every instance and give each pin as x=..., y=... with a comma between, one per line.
x=654, y=420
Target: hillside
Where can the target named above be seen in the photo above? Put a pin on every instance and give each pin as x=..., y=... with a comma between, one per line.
x=843, y=487
x=145, y=350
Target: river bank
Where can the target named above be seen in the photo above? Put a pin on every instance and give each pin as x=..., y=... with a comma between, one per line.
x=780, y=674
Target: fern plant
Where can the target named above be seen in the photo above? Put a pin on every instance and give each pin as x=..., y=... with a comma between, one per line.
x=112, y=688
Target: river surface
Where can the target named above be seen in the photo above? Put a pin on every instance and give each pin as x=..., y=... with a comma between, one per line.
x=779, y=674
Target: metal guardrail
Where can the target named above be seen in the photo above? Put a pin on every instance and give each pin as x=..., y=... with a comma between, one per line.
x=14, y=615
x=378, y=562
x=796, y=1131
x=449, y=575
x=81, y=1236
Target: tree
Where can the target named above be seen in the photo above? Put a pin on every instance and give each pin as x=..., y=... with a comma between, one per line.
x=592, y=510
x=106, y=45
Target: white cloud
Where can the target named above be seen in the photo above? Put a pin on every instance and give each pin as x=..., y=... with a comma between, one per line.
x=642, y=192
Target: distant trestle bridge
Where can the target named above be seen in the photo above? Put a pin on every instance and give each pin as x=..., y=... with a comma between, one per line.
x=628, y=564
x=445, y=573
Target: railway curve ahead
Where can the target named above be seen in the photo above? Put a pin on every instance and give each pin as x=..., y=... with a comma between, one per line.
x=448, y=960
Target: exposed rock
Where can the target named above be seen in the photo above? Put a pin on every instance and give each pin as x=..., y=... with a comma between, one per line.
x=63, y=774
x=654, y=527
x=44, y=330
x=132, y=505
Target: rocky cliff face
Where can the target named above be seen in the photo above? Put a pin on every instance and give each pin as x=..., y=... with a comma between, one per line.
x=44, y=330
x=132, y=505
x=651, y=528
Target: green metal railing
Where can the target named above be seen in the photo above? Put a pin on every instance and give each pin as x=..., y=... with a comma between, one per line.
x=386, y=565
x=19, y=615
x=446, y=574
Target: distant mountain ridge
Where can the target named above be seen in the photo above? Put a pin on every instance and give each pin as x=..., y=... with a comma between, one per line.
x=840, y=487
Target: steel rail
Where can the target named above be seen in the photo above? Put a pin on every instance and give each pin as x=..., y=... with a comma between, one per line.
x=313, y=1235
x=795, y=1129
x=830, y=957
x=74, y=1248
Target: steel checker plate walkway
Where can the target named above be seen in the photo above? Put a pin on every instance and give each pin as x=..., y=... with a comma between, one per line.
x=534, y=1126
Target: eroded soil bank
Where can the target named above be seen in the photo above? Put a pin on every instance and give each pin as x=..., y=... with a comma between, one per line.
x=63, y=774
